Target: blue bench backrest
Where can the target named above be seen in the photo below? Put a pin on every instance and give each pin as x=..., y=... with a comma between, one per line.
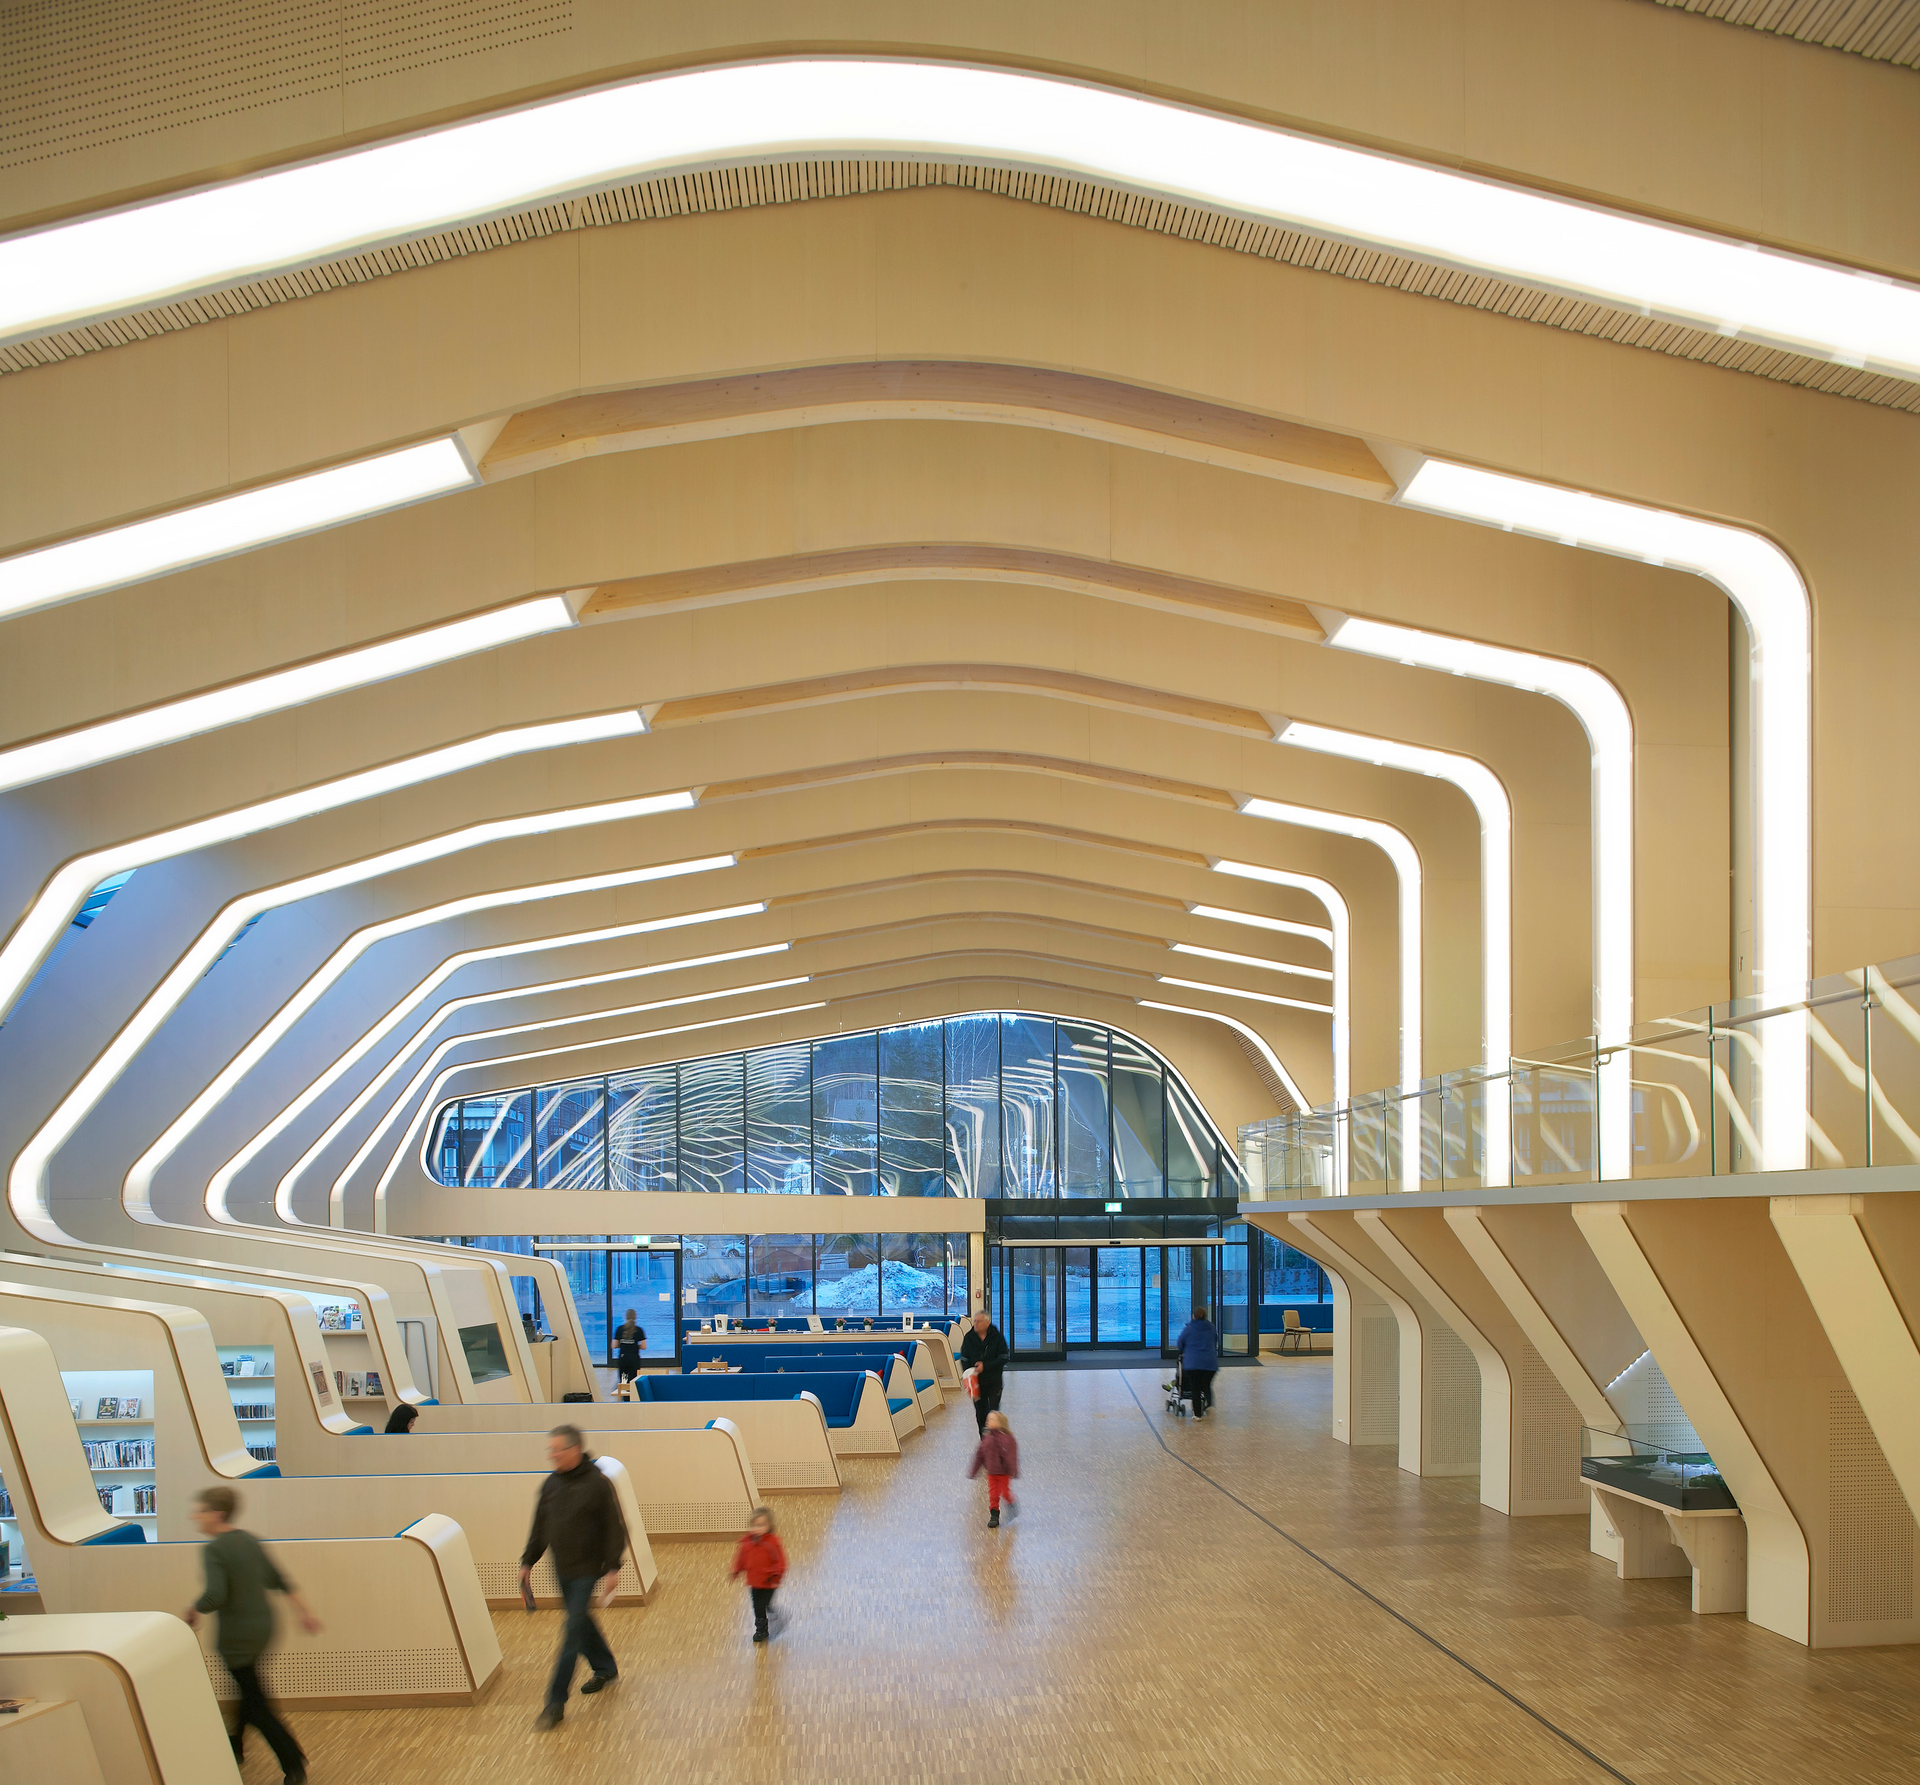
x=788, y=1358
x=838, y=1392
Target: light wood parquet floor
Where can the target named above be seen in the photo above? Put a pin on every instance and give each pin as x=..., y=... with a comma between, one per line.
x=1141, y=1622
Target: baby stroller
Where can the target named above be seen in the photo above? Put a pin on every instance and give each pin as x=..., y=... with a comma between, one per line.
x=1177, y=1393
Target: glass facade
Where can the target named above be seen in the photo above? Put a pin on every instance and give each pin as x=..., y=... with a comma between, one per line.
x=746, y=1276
x=995, y=1104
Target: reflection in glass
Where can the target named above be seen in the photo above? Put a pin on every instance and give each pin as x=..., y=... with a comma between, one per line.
x=958, y=1273
x=1190, y=1147
x=1117, y=1285
x=642, y=1123
x=712, y=1124
x=569, y=1148
x=973, y=1106
x=713, y=1269
x=1084, y=1154
x=848, y=1282
x=1139, y=1119
x=912, y=1159
x=846, y=1115
x=782, y=1278
x=1026, y=1102
x=496, y=1141
x=913, y=1273
x=991, y=1104
x=643, y=1281
x=586, y=1274
x=780, y=1120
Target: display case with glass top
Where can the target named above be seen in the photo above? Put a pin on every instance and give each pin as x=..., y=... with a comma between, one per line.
x=1639, y=1461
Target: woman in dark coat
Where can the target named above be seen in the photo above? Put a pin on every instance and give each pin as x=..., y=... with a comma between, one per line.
x=629, y=1340
x=1199, y=1359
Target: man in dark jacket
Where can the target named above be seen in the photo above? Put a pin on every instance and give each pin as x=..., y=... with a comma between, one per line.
x=1199, y=1346
x=984, y=1350
x=578, y=1518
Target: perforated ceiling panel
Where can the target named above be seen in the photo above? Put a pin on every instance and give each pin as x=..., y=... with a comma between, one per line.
x=1880, y=30
x=75, y=74
x=796, y=182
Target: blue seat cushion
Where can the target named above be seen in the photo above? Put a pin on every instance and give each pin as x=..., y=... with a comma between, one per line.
x=897, y=1404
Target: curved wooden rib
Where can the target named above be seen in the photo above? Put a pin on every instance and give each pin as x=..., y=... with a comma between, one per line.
x=936, y=390
x=835, y=774
x=1185, y=858
x=922, y=678
x=934, y=876
x=799, y=573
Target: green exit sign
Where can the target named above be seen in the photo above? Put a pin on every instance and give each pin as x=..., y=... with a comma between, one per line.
x=1113, y=1208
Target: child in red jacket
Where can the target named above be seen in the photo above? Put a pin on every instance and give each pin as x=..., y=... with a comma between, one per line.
x=999, y=1455
x=761, y=1559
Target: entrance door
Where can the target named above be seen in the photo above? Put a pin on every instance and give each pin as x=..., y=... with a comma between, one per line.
x=1031, y=1300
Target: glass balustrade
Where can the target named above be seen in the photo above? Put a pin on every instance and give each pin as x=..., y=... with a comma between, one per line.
x=1825, y=1081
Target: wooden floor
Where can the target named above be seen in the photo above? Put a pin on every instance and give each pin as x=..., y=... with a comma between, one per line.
x=1145, y=1620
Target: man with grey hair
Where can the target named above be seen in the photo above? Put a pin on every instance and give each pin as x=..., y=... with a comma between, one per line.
x=578, y=1518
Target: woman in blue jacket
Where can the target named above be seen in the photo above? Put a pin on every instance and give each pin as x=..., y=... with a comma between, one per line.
x=1199, y=1359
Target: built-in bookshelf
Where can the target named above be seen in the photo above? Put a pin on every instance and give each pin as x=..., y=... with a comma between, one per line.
x=113, y=1410
x=250, y=1386
x=350, y=1351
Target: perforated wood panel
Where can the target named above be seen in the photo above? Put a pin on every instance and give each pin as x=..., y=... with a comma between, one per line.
x=1453, y=1402
x=1869, y=1529
x=1376, y=1388
x=694, y=1515
x=75, y=74
x=1880, y=30
x=351, y=1673
x=501, y=1580
x=795, y=182
x=794, y=1475
x=1549, y=1433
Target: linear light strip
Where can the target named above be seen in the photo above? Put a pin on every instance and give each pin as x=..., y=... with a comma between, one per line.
x=1251, y=960
x=433, y=1098
x=1603, y=716
x=1766, y=587
x=1340, y=931
x=810, y=108
x=1234, y=991
x=283, y=1192
x=1252, y=1036
x=27, y=1181
x=1279, y=925
x=1400, y=852
x=137, y=1188
x=37, y=932
x=141, y=550
x=1495, y=813
x=86, y=746
x=396, y=1014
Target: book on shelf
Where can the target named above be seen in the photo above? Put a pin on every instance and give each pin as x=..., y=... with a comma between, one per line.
x=253, y=1410
x=374, y=1390
x=107, y=1407
x=263, y=1453
x=356, y=1385
x=118, y=1453
x=74, y=1403
x=129, y=1406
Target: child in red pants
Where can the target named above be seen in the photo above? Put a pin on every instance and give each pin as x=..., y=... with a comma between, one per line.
x=999, y=1455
